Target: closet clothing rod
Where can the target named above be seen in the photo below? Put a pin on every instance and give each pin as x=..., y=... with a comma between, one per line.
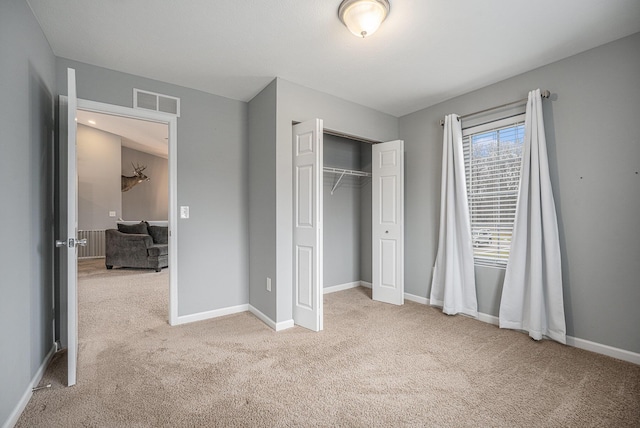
x=544, y=94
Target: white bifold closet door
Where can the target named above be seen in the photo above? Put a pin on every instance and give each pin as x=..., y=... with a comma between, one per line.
x=307, y=224
x=387, y=227
x=388, y=222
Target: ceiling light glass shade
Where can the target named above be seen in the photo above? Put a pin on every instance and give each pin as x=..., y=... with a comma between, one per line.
x=363, y=17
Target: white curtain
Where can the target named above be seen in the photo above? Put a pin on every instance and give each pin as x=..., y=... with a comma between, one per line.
x=532, y=290
x=453, y=286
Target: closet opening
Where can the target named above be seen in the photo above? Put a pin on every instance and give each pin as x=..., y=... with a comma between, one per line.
x=348, y=219
x=347, y=213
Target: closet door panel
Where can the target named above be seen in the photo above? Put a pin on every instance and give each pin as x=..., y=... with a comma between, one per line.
x=388, y=222
x=307, y=232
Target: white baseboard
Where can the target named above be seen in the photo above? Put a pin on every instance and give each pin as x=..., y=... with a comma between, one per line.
x=283, y=325
x=24, y=400
x=417, y=299
x=201, y=316
x=262, y=317
x=587, y=345
x=598, y=348
x=489, y=319
x=366, y=284
x=340, y=287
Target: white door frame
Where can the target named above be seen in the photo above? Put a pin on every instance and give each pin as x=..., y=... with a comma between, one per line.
x=172, y=123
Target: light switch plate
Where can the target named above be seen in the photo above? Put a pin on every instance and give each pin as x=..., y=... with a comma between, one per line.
x=184, y=212
x=112, y=213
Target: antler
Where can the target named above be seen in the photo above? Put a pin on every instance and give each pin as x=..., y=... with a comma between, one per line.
x=137, y=167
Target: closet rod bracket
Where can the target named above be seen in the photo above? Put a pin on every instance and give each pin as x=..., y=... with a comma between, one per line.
x=335, y=186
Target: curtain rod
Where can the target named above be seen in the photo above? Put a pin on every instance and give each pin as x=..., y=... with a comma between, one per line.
x=544, y=94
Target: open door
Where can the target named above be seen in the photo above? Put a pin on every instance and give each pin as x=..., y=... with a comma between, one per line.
x=68, y=242
x=307, y=224
x=388, y=222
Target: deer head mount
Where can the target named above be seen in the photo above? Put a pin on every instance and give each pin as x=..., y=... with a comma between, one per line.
x=128, y=182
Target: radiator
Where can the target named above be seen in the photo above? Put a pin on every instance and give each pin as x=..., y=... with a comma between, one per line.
x=95, y=244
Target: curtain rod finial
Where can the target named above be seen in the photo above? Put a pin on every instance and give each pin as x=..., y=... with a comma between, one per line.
x=546, y=93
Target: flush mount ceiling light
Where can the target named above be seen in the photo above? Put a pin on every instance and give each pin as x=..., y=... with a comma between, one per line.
x=363, y=17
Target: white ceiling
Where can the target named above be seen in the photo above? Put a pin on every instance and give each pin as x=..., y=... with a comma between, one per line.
x=141, y=135
x=426, y=51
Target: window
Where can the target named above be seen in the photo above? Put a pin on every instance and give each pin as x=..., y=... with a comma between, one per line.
x=493, y=156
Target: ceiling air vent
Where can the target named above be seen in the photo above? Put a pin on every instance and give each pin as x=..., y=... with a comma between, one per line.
x=157, y=102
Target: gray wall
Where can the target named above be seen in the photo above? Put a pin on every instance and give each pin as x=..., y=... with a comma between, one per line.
x=366, y=205
x=592, y=131
x=148, y=200
x=262, y=199
x=98, y=178
x=27, y=85
x=212, y=180
x=341, y=213
x=297, y=104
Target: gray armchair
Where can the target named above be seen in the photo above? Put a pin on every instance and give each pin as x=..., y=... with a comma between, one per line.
x=133, y=246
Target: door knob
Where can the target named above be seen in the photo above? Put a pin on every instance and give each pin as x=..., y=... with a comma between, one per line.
x=72, y=243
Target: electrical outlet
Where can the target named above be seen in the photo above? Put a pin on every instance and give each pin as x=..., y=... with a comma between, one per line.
x=268, y=284
x=184, y=212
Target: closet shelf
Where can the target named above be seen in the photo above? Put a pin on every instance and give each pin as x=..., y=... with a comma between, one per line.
x=344, y=172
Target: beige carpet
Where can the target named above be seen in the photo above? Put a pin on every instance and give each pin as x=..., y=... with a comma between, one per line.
x=373, y=365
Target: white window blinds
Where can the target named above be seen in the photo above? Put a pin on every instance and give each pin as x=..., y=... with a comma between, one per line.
x=493, y=157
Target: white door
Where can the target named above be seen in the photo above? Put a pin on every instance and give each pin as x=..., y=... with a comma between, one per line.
x=307, y=224
x=68, y=241
x=388, y=222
